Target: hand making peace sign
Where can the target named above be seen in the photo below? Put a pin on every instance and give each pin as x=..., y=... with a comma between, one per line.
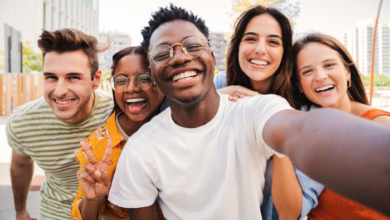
x=94, y=179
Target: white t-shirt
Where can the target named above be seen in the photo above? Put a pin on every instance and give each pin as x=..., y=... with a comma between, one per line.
x=215, y=171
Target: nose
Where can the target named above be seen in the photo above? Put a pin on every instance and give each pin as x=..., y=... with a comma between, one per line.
x=61, y=88
x=131, y=87
x=320, y=75
x=261, y=47
x=179, y=56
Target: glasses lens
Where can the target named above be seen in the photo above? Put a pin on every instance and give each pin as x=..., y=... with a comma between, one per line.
x=194, y=46
x=143, y=80
x=161, y=55
x=119, y=83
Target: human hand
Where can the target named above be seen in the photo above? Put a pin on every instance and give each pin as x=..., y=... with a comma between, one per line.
x=94, y=179
x=23, y=215
x=237, y=92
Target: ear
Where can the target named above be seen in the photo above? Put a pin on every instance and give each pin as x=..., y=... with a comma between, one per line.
x=348, y=73
x=96, y=79
x=214, y=61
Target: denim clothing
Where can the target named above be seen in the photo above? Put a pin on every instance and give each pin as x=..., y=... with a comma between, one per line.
x=310, y=188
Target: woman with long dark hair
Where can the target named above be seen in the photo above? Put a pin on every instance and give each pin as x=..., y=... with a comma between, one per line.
x=260, y=59
x=326, y=76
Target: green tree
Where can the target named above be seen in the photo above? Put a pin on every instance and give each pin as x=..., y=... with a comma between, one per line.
x=379, y=80
x=1, y=60
x=105, y=75
x=31, y=61
x=291, y=10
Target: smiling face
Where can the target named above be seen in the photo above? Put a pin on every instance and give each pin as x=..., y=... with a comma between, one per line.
x=137, y=104
x=323, y=75
x=185, y=79
x=68, y=85
x=261, y=50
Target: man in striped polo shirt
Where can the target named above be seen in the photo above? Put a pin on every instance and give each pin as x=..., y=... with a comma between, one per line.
x=49, y=129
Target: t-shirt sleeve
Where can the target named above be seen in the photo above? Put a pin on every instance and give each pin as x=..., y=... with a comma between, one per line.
x=13, y=141
x=220, y=80
x=132, y=187
x=264, y=108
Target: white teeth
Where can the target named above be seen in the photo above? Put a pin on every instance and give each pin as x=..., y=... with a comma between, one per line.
x=259, y=62
x=63, y=102
x=184, y=76
x=325, y=88
x=135, y=100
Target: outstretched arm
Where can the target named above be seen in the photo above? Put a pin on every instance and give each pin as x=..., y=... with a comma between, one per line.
x=347, y=154
x=22, y=168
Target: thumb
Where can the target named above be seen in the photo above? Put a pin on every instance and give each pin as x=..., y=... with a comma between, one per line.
x=97, y=174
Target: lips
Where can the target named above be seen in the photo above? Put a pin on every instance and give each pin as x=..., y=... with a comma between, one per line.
x=63, y=103
x=184, y=76
x=259, y=62
x=324, y=89
x=136, y=104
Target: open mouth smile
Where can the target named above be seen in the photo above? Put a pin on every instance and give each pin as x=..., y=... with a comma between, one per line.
x=63, y=103
x=325, y=89
x=185, y=76
x=136, y=103
x=259, y=62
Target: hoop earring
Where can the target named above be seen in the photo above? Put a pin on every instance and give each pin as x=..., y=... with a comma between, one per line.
x=349, y=83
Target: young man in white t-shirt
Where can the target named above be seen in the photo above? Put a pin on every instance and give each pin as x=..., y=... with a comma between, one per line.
x=205, y=157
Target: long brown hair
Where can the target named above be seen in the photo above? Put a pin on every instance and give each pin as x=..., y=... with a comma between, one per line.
x=115, y=60
x=67, y=40
x=356, y=92
x=281, y=78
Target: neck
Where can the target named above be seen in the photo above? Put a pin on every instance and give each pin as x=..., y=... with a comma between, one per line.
x=262, y=86
x=130, y=126
x=196, y=114
x=344, y=105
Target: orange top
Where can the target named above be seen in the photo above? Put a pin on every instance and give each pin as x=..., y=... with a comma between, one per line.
x=334, y=206
x=97, y=143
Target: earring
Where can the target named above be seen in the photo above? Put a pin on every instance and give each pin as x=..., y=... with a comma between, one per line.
x=349, y=83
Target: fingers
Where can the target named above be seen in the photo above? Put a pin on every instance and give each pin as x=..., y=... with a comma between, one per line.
x=86, y=177
x=104, y=180
x=107, y=154
x=235, y=95
x=90, y=169
x=90, y=157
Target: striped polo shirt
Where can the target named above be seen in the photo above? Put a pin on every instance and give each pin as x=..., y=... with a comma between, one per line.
x=34, y=130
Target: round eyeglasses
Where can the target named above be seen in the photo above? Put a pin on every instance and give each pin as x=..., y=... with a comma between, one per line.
x=120, y=82
x=162, y=55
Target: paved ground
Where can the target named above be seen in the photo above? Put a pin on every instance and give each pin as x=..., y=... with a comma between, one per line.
x=7, y=210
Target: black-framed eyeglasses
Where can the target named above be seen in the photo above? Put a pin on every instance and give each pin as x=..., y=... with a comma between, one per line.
x=120, y=82
x=162, y=55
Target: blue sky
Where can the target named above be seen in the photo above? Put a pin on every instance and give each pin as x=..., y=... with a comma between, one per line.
x=329, y=17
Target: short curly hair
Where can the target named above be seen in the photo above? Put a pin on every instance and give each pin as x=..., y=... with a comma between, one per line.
x=167, y=14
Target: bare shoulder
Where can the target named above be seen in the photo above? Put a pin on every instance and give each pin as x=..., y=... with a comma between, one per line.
x=358, y=108
x=383, y=119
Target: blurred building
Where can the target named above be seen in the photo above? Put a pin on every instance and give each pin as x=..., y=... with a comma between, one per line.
x=119, y=41
x=358, y=40
x=219, y=45
x=13, y=49
x=31, y=16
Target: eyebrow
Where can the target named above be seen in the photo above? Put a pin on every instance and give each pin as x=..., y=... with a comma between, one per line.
x=69, y=74
x=256, y=34
x=166, y=43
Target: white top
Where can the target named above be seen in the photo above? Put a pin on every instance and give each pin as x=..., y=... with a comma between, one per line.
x=215, y=171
